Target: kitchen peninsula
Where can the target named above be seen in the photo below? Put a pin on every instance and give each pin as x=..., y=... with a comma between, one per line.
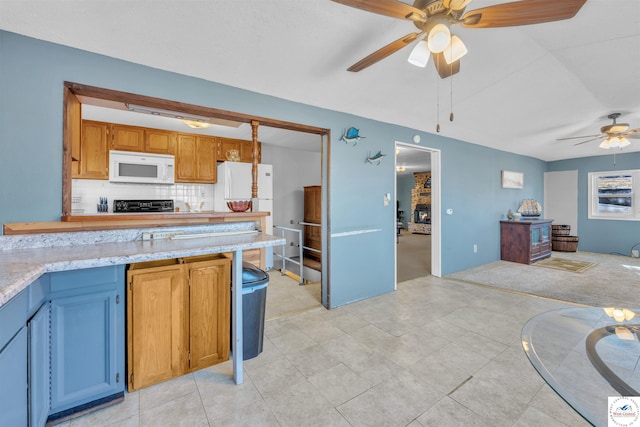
x=46, y=268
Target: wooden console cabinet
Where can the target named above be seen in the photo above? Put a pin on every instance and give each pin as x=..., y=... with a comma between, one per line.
x=177, y=317
x=525, y=241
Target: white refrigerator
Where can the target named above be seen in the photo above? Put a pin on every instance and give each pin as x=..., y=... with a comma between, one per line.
x=234, y=182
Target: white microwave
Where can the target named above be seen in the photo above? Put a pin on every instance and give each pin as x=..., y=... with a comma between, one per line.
x=141, y=168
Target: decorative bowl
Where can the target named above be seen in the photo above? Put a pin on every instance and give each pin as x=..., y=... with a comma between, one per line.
x=239, y=205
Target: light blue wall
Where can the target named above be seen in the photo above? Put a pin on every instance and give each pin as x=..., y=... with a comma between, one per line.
x=404, y=185
x=361, y=228
x=597, y=235
x=471, y=187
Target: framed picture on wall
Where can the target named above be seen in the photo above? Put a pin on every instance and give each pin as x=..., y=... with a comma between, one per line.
x=511, y=179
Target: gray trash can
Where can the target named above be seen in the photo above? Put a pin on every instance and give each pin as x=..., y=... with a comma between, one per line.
x=254, y=298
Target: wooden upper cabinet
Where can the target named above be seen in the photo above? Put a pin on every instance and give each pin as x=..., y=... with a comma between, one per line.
x=73, y=123
x=196, y=159
x=94, y=151
x=127, y=138
x=244, y=148
x=159, y=141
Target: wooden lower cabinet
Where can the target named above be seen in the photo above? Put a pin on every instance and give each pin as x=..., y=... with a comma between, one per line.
x=155, y=325
x=177, y=318
x=209, y=305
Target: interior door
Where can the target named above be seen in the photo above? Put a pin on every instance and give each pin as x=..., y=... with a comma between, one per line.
x=561, y=198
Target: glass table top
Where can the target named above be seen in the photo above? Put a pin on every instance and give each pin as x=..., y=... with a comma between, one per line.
x=586, y=355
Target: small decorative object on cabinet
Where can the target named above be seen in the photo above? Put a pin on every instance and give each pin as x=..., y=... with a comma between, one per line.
x=530, y=208
x=233, y=156
x=525, y=241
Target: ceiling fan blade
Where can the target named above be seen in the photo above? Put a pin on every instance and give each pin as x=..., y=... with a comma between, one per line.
x=445, y=70
x=392, y=8
x=383, y=52
x=632, y=133
x=523, y=12
x=600, y=135
x=588, y=140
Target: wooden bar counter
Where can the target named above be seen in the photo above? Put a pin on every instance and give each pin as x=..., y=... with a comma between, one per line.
x=113, y=221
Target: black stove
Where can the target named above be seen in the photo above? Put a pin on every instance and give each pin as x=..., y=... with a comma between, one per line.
x=122, y=206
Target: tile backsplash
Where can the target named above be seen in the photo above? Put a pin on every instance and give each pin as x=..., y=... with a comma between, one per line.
x=86, y=193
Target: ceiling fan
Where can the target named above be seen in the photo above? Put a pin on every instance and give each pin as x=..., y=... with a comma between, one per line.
x=434, y=18
x=613, y=136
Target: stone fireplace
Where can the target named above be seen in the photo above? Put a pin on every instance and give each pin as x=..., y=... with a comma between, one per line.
x=421, y=204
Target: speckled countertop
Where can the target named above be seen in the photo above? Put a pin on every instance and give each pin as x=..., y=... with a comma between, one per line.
x=25, y=258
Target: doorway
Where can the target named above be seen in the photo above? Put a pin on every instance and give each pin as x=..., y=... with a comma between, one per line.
x=417, y=184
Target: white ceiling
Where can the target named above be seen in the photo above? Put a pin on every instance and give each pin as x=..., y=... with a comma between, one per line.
x=519, y=89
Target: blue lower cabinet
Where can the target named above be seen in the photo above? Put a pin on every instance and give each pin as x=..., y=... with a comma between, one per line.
x=13, y=381
x=38, y=328
x=87, y=339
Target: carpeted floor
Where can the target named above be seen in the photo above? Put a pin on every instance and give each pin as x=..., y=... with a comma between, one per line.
x=414, y=256
x=613, y=280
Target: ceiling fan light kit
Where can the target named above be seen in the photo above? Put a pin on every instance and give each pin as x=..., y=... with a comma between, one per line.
x=455, y=50
x=420, y=54
x=439, y=38
x=613, y=135
x=435, y=17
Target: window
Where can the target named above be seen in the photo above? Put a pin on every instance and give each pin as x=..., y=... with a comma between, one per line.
x=614, y=195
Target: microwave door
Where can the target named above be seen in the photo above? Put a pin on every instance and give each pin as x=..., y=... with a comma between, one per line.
x=138, y=172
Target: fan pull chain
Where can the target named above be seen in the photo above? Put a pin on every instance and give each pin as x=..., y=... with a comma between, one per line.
x=438, y=106
x=451, y=114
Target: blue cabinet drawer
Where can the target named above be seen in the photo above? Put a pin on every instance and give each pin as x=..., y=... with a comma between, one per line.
x=13, y=316
x=75, y=280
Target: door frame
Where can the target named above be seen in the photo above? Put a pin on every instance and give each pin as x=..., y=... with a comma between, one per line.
x=436, y=239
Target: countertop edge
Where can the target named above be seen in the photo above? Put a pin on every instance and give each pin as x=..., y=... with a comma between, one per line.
x=48, y=260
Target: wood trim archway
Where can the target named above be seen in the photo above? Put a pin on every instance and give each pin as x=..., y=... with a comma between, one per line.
x=72, y=123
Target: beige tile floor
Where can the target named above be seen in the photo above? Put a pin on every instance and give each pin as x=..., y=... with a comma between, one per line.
x=434, y=353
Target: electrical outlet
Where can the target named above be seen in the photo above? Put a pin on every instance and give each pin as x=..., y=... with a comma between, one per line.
x=634, y=253
x=160, y=235
x=475, y=248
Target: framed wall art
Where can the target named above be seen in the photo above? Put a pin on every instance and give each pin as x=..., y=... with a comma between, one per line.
x=511, y=179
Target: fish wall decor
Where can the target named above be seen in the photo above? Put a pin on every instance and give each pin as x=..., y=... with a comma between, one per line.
x=376, y=158
x=351, y=135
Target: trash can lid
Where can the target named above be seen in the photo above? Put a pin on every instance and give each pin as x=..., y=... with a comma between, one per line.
x=251, y=274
